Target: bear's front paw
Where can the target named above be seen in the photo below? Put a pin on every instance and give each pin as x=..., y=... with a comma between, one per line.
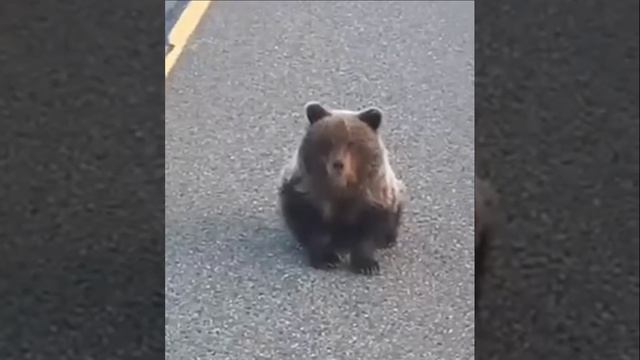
x=326, y=261
x=365, y=266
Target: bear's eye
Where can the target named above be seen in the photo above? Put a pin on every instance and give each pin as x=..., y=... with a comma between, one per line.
x=326, y=146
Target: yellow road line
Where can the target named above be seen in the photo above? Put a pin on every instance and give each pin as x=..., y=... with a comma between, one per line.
x=182, y=30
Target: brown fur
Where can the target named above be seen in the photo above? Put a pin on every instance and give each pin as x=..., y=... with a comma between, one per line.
x=348, y=141
x=339, y=192
x=486, y=217
x=486, y=225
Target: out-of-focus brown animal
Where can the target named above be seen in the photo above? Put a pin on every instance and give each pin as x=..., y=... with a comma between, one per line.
x=486, y=226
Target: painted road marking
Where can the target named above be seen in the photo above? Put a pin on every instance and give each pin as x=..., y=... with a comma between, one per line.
x=182, y=30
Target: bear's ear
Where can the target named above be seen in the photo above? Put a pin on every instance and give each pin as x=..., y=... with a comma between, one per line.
x=372, y=116
x=315, y=111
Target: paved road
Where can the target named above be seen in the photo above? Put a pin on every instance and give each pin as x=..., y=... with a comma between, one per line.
x=237, y=285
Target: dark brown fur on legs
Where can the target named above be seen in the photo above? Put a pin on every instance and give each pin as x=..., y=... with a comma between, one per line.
x=486, y=223
x=339, y=193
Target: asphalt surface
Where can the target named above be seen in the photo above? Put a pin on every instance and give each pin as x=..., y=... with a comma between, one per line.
x=557, y=135
x=82, y=181
x=238, y=287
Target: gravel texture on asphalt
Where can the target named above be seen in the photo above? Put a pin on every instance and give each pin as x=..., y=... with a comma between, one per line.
x=557, y=135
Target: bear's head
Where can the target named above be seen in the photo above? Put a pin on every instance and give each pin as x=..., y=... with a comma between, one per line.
x=341, y=150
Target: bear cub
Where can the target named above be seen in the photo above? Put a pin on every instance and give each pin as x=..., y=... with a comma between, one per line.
x=339, y=194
